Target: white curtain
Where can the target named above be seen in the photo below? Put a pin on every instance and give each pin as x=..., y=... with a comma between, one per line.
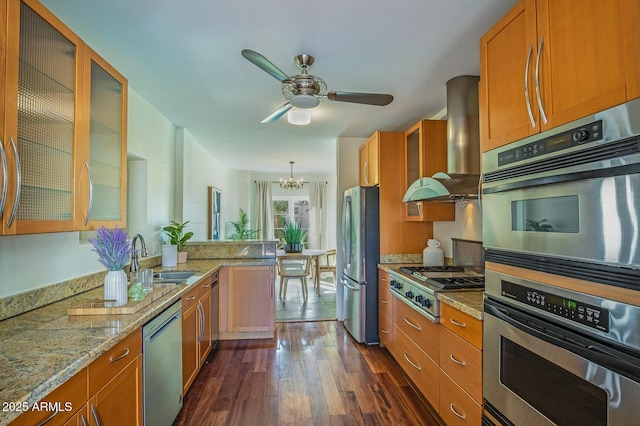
x=317, y=215
x=264, y=207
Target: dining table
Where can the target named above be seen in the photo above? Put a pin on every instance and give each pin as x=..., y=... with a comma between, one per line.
x=314, y=257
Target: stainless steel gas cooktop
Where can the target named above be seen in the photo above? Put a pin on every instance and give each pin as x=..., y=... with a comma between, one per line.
x=445, y=277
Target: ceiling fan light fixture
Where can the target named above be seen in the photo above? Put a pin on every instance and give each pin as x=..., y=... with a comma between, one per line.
x=304, y=101
x=299, y=117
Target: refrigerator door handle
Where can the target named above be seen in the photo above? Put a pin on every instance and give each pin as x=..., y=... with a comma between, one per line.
x=348, y=231
x=347, y=285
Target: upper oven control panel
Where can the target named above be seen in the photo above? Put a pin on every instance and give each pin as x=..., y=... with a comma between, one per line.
x=583, y=313
x=567, y=139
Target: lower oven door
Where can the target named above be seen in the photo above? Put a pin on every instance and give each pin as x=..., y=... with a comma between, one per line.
x=535, y=377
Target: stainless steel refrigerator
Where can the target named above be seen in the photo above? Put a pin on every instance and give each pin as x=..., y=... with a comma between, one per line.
x=360, y=257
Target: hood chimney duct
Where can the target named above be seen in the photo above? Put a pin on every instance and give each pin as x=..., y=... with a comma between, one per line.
x=463, y=129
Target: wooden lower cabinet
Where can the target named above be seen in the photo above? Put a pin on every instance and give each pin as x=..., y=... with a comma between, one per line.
x=464, y=325
x=462, y=362
x=419, y=329
x=120, y=401
x=247, y=302
x=456, y=406
x=422, y=370
x=196, y=330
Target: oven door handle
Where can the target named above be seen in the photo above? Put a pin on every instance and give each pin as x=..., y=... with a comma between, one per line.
x=610, y=358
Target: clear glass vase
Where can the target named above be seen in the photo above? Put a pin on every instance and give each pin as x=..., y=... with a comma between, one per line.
x=115, y=288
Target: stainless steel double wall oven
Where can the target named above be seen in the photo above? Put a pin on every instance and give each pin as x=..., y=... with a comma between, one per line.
x=561, y=224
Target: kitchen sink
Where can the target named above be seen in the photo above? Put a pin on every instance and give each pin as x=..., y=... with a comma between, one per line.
x=172, y=277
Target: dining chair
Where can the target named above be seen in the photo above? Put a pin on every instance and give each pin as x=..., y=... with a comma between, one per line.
x=328, y=263
x=293, y=267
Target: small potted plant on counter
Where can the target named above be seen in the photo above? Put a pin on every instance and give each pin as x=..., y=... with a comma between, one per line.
x=293, y=237
x=177, y=237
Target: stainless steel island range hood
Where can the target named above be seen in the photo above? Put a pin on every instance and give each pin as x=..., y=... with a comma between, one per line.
x=463, y=143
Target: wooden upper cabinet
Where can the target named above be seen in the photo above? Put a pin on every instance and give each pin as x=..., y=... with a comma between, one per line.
x=102, y=160
x=42, y=120
x=369, y=161
x=547, y=63
x=425, y=153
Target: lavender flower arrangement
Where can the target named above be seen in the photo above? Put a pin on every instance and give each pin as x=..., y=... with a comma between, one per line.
x=113, y=248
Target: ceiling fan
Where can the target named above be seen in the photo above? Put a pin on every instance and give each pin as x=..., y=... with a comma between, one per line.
x=305, y=90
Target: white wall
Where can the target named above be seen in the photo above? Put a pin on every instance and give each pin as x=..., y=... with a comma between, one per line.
x=468, y=226
x=31, y=261
x=196, y=170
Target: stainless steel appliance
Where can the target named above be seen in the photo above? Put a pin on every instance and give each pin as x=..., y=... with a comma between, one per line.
x=569, y=197
x=418, y=286
x=360, y=256
x=162, y=366
x=554, y=356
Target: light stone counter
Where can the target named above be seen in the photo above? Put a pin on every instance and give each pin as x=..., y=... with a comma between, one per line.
x=43, y=348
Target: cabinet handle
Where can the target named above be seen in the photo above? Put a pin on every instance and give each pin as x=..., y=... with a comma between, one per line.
x=452, y=358
x=480, y=182
x=190, y=298
x=453, y=410
x=542, y=114
x=18, y=183
x=383, y=279
x=201, y=320
x=90, y=205
x=84, y=421
x=417, y=327
x=385, y=301
x=48, y=419
x=459, y=324
x=118, y=358
x=205, y=285
x=3, y=157
x=416, y=366
x=366, y=172
x=95, y=415
x=385, y=331
x=526, y=87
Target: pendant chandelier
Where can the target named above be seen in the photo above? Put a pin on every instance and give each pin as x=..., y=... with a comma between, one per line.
x=291, y=183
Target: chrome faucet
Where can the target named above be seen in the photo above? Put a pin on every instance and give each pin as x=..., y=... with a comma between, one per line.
x=135, y=263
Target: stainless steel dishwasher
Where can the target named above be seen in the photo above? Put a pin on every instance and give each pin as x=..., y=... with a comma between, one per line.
x=162, y=366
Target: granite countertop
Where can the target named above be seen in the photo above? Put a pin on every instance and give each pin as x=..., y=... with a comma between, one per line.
x=468, y=301
x=43, y=348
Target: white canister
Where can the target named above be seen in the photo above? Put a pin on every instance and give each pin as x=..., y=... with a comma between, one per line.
x=433, y=255
x=169, y=256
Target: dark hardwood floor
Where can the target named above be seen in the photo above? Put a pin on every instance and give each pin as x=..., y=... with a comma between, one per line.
x=313, y=373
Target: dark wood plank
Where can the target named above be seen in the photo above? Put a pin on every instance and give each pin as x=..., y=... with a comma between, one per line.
x=313, y=373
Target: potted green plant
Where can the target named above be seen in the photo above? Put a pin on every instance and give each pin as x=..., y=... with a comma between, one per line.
x=241, y=227
x=178, y=237
x=293, y=237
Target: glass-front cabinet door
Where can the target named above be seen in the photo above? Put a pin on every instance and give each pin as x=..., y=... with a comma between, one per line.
x=102, y=173
x=41, y=124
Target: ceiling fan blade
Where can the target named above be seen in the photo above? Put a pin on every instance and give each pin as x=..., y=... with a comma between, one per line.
x=265, y=64
x=278, y=113
x=361, y=98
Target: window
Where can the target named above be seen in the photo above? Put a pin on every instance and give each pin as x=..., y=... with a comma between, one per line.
x=290, y=210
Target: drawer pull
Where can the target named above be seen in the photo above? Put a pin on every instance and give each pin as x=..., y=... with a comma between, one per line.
x=452, y=358
x=385, y=301
x=385, y=331
x=48, y=419
x=417, y=327
x=95, y=415
x=118, y=358
x=84, y=421
x=453, y=410
x=459, y=324
x=416, y=366
x=384, y=279
x=205, y=285
x=190, y=298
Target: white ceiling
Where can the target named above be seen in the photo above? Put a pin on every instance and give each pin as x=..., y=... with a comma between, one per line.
x=184, y=58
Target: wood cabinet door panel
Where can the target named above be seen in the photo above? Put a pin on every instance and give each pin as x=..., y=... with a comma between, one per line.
x=385, y=330
x=103, y=369
x=462, y=362
x=465, y=326
x=205, y=340
x=456, y=406
x=120, y=401
x=385, y=298
x=424, y=333
x=190, y=356
x=251, y=302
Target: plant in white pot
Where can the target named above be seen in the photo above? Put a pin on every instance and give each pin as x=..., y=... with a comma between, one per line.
x=178, y=237
x=114, y=250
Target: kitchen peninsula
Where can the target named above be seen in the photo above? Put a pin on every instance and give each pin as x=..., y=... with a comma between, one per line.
x=44, y=348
